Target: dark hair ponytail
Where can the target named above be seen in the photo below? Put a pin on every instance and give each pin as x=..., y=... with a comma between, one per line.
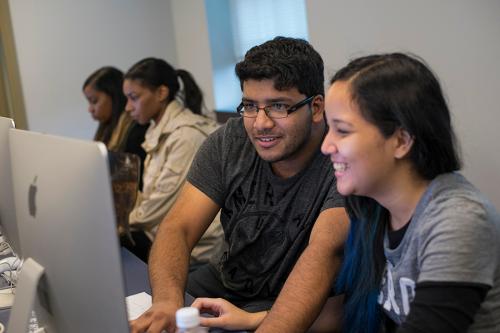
x=154, y=72
x=193, y=96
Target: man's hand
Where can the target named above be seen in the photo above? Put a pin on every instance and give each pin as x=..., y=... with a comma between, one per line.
x=159, y=317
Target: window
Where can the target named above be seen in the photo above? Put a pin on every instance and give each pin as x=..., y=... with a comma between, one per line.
x=234, y=26
x=255, y=21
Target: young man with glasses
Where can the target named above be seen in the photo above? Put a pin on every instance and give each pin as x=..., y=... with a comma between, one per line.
x=283, y=218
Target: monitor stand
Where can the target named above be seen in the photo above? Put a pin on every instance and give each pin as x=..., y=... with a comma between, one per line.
x=29, y=278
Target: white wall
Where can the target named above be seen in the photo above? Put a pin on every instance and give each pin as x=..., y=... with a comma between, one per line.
x=459, y=39
x=192, y=43
x=59, y=43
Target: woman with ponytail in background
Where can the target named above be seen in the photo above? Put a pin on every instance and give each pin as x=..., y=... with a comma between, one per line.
x=171, y=103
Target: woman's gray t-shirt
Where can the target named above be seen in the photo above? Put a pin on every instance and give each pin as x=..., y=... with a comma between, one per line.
x=454, y=236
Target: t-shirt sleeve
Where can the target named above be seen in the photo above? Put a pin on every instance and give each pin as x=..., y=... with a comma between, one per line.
x=459, y=243
x=333, y=199
x=206, y=170
x=443, y=307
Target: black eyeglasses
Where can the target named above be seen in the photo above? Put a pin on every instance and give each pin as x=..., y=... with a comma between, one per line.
x=275, y=110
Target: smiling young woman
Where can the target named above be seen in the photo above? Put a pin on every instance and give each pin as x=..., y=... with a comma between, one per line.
x=423, y=253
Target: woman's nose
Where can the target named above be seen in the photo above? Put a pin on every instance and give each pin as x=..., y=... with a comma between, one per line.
x=329, y=147
x=129, y=107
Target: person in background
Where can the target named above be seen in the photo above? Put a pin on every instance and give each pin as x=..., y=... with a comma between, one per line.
x=117, y=130
x=423, y=252
x=170, y=102
x=279, y=206
x=121, y=134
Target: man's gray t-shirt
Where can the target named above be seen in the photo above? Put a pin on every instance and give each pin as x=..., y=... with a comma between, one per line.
x=266, y=220
x=453, y=236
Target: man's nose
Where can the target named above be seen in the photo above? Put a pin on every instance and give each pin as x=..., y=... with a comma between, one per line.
x=263, y=121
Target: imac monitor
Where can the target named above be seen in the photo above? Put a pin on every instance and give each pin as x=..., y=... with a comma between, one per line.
x=8, y=224
x=72, y=275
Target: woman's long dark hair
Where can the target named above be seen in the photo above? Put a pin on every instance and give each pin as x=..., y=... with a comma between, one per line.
x=108, y=80
x=153, y=73
x=393, y=91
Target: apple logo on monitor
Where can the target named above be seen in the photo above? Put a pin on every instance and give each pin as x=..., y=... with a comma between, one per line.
x=32, y=198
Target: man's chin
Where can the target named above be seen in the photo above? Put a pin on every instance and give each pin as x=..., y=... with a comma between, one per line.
x=269, y=156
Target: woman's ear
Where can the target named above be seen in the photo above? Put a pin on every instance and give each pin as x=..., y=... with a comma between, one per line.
x=404, y=142
x=162, y=93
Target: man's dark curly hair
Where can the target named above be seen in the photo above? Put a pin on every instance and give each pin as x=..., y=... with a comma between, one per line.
x=289, y=62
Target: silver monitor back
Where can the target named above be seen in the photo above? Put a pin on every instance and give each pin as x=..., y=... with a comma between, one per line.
x=66, y=220
x=7, y=209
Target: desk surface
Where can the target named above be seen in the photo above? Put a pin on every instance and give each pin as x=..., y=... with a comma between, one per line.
x=135, y=273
